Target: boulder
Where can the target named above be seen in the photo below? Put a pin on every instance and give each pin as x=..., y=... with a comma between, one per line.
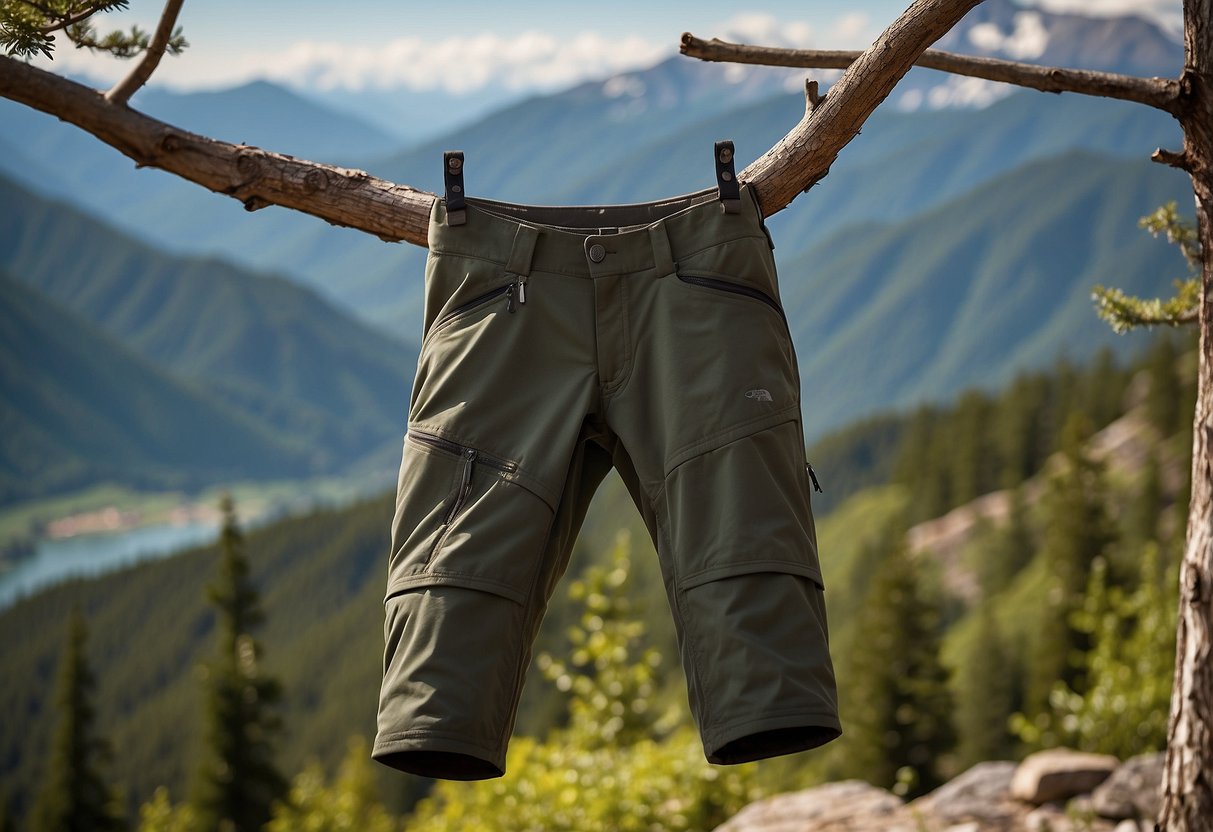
x=1060, y=773
x=982, y=795
x=1133, y=791
x=846, y=805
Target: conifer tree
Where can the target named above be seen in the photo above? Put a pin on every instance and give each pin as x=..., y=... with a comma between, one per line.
x=986, y=686
x=74, y=795
x=238, y=781
x=1077, y=529
x=1010, y=550
x=1163, y=400
x=900, y=717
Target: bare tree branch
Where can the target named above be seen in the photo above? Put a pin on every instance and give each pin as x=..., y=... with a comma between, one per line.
x=121, y=92
x=804, y=155
x=256, y=177
x=398, y=212
x=1162, y=93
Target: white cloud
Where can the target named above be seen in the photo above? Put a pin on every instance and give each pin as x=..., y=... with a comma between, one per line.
x=1027, y=41
x=1167, y=13
x=767, y=30
x=532, y=60
x=853, y=30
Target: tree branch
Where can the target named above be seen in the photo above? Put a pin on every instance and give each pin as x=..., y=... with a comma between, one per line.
x=1162, y=93
x=256, y=177
x=121, y=92
x=64, y=21
x=804, y=155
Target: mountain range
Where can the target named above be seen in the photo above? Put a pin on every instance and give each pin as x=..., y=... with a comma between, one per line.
x=947, y=247
x=277, y=360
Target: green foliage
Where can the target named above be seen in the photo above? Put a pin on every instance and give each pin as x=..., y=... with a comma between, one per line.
x=238, y=781
x=75, y=795
x=318, y=388
x=898, y=708
x=27, y=28
x=618, y=765
x=1077, y=530
x=160, y=815
x=80, y=408
x=350, y=804
x=1124, y=312
x=986, y=683
x=1123, y=705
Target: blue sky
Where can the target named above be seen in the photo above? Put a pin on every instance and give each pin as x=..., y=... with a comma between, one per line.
x=475, y=44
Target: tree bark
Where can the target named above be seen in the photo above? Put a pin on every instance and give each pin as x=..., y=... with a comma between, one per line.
x=398, y=212
x=256, y=177
x=1155, y=92
x=804, y=155
x=1188, y=773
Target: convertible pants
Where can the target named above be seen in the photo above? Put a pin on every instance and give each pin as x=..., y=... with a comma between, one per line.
x=559, y=342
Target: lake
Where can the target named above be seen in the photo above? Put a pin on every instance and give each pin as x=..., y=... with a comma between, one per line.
x=54, y=561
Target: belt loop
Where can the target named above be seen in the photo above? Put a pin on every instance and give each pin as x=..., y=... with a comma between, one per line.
x=523, y=250
x=663, y=260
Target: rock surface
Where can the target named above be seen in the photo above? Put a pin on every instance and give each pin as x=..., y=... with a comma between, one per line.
x=1060, y=773
x=1133, y=791
x=982, y=795
x=982, y=799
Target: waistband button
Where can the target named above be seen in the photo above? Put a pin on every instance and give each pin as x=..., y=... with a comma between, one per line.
x=597, y=253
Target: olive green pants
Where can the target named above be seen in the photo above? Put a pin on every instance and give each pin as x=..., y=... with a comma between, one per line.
x=559, y=342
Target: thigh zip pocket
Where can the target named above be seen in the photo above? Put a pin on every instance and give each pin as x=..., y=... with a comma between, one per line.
x=461, y=520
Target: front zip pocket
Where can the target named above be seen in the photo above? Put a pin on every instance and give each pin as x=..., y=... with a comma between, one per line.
x=734, y=288
x=506, y=291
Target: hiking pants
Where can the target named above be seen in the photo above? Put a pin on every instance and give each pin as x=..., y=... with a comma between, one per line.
x=559, y=343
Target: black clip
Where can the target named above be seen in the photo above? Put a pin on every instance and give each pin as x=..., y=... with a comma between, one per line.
x=452, y=171
x=729, y=191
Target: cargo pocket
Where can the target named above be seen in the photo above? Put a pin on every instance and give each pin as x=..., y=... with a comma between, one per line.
x=749, y=595
x=467, y=541
x=463, y=519
x=743, y=507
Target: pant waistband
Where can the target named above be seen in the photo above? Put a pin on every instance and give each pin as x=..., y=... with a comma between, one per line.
x=594, y=241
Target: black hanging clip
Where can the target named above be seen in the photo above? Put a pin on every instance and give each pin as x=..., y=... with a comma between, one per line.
x=726, y=178
x=452, y=171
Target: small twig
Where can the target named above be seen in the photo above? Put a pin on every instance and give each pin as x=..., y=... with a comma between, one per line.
x=811, y=96
x=1162, y=93
x=1179, y=160
x=124, y=89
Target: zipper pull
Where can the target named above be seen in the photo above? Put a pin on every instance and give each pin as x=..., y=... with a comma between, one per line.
x=808, y=466
x=465, y=485
x=521, y=289
x=509, y=297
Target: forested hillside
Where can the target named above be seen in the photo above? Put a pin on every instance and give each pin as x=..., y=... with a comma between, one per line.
x=77, y=407
x=322, y=580
x=269, y=352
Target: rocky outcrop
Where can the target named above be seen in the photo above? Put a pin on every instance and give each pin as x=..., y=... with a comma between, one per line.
x=989, y=797
x=1059, y=774
x=1133, y=791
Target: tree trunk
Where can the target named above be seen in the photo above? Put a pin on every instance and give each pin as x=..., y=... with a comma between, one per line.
x=1188, y=775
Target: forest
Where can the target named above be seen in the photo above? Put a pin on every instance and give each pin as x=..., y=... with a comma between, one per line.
x=1040, y=613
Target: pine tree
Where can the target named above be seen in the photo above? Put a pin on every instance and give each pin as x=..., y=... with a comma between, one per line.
x=986, y=684
x=74, y=794
x=1162, y=402
x=1077, y=530
x=238, y=782
x=1010, y=550
x=900, y=718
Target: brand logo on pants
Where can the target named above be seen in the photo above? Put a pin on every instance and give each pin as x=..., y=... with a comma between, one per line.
x=759, y=395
